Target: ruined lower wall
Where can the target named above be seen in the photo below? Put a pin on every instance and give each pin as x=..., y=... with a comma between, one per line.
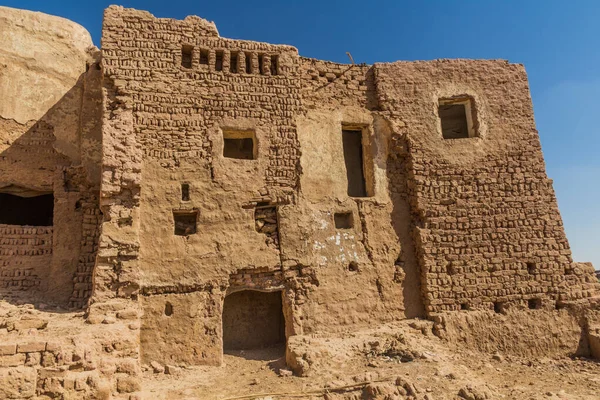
x=50, y=145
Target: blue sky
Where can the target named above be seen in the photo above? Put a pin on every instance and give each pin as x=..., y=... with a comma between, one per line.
x=558, y=41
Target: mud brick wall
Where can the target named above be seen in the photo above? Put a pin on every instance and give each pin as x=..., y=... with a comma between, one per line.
x=331, y=84
x=174, y=106
x=25, y=256
x=487, y=223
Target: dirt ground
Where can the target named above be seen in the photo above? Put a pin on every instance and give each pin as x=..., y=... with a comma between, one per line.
x=398, y=361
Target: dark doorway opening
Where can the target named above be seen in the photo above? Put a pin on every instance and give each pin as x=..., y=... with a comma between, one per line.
x=32, y=211
x=353, y=157
x=253, y=320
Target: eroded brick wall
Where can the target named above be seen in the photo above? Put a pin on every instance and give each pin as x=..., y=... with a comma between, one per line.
x=487, y=224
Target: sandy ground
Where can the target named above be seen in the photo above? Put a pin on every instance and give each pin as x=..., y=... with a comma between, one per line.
x=392, y=362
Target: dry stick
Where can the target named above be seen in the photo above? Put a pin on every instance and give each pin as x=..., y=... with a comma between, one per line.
x=311, y=392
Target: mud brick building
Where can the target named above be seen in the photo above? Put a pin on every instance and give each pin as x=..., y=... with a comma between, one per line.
x=195, y=194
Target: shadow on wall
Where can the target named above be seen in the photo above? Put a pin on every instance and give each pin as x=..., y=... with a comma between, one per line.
x=407, y=266
x=55, y=166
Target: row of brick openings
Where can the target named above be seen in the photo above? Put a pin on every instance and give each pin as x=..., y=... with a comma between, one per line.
x=234, y=61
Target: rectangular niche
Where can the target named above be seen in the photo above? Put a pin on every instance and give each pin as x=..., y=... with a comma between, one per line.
x=239, y=144
x=186, y=56
x=27, y=210
x=186, y=222
x=343, y=220
x=456, y=118
x=355, y=162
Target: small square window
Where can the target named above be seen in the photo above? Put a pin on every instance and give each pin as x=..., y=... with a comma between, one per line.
x=233, y=63
x=219, y=60
x=239, y=144
x=185, y=222
x=456, y=116
x=343, y=220
x=274, y=64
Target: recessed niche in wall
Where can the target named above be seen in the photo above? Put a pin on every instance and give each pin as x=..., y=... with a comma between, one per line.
x=343, y=220
x=186, y=56
x=248, y=63
x=28, y=209
x=531, y=268
x=534, y=304
x=185, y=222
x=219, y=60
x=457, y=117
x=274, y=64
x=203, y=57
x=185, y=192
x=352, y=142
x=239, y=144
x=233, y=62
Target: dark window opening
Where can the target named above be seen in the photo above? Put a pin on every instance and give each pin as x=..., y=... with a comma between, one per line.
x=353, y=266
x=233, y=63
x=186, y=56
x=531, y=268
x=168, y=309
x=239, y=145
x=219, y=60
x=203, y=57
x=274, y=64
x=534, y=304
x=456, y=118
x=343, y=220
x=499, y=307
x=185, y=192
x=261, y=64
x=248, y=63
x=253, y=320
x=464, y=306
x=353, y=157
x=185, y=222
x=31, y=211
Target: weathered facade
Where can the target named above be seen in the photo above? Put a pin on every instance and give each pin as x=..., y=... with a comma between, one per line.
x=205, y=191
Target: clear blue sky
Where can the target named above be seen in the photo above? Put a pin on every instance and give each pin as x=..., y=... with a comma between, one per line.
x=558, y=41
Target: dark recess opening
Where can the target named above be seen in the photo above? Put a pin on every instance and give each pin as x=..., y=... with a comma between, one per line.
x=219, y=60
x=353, y=266
x=531, y=268
x=464, y=306
x=168, y=309
x=248, y=63
x=343, y=220
x=253, y=320
x=239, y=144
x=185, y=192
x=203, y=57
x=534, y=304
x=353, y=157
x=32, y=211
x=185, y=222
x=274, y=64
x=261, y=64
x=233, y=63
x=186, y=56
x=499, y=307
x=454, y=121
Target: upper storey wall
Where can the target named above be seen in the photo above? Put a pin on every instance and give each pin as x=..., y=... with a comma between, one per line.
x=488, y=224
x=179, y=109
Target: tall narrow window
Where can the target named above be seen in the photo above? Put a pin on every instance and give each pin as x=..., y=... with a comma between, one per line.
x=186, y=56
x=353, y=157
x=274, y=64
x=233, y=63
x=185, y=192
x=219, y=60
x=248, y=63
x=203, y=57
x=456, y=117
x=261, y=64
